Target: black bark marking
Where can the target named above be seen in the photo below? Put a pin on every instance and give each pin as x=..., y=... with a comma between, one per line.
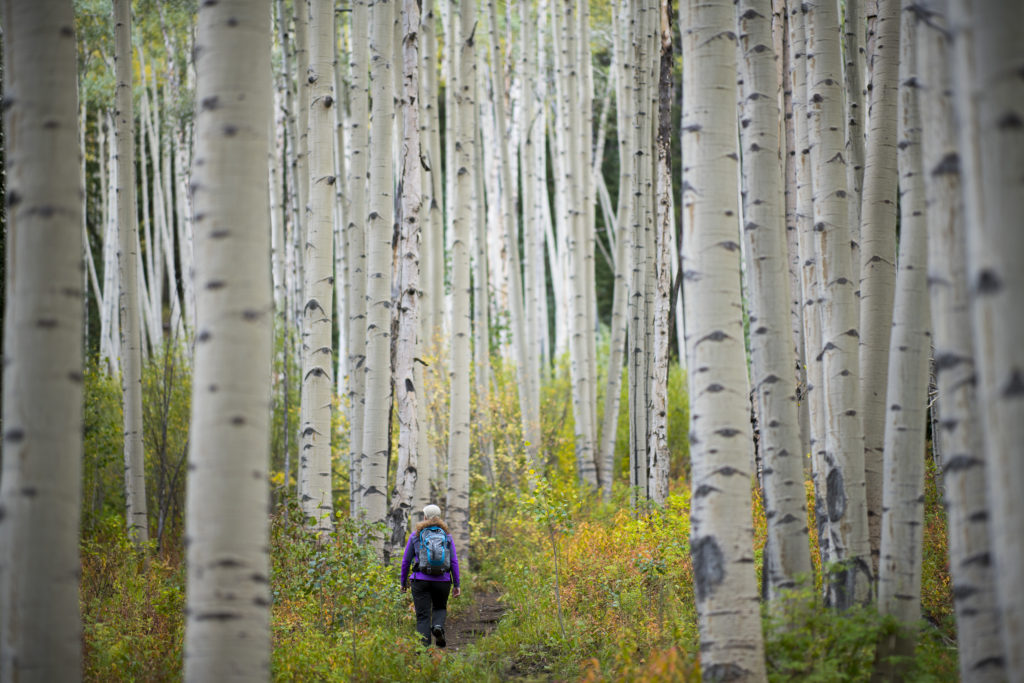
x=705, y=490
x=230, y=130
x=727, y=432
x=249, y=315
x=46, y=323
x=789, y=518
x=960, y=463
x=238, y=420
x=210, y=103
x=76, y=377
x=216, y=284
x=1011, y=120
x=964, y=592
x=232, y=22
x=13, y=436
x=217, y=616
x=219, y=234
x=981, y=559
x=948, y=165
x=895, y=407
x=836, y=494
x=227, y=563
x=29, y=491
x=1015, y=387
x=945, y=361
x=988, y=283
x=716, y=336
x=708, y=566
x=997, y=662
x=727, y=471
x=715, y=388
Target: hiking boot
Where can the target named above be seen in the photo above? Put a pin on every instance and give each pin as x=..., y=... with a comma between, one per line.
x=438, y=632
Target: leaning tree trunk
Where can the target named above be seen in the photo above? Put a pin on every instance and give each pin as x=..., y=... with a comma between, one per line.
x=836, y=351
x=995, y=245
x=457, y=512
x=906, y=398
x=227, y=623
x=128, y=276
x=878, y=252
x=721, y=535
x=788, y=558
x=980, y=648
x=40, y=622
x=318, y=285
x=407, y=343
x=379, y=229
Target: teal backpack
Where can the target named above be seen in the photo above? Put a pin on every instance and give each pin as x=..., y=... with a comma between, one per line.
x=433, y=552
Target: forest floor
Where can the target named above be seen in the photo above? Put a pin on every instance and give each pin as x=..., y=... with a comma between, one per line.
x=474, y=621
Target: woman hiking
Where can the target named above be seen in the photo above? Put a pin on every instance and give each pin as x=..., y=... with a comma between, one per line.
x=430, y=555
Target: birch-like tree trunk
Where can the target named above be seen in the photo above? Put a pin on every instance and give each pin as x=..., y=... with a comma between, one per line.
x=906, y=398
x=407, y=344
x=457, y=506
x=837, y=348
x=878, y=252
x=128, y=277
x=318, y=286
x=854, y=71
x=787, y=551
x=379, y=230
x=227, y=624
x=959, y=433
x=990, y=95
x=40, y=621
x=721, y=534
x=355, y=236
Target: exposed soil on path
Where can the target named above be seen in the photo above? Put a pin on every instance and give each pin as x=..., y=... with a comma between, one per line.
x=474, y=622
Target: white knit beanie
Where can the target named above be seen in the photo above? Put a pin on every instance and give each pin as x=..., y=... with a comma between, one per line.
x=431, y=511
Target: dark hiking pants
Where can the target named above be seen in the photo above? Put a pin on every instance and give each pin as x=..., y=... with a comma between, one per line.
x=431, y=601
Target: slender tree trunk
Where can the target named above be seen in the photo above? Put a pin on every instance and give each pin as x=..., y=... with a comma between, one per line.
x=457, y=512
x=379, y=231
x=407, y=344
x=318, y=287
x=128, y=277
x=855, y=67
x=878, y=252
x=40, y=621
x=355, y=235
x=959, y=432
x=906, y=399
x=721, y=534
x=990, y=93
x=837, y=350
x=227, y=630
x=788, y=559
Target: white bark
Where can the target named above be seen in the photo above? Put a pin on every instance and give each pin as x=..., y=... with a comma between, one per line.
x=457, y=506
x=721, y=534
x=990, y=94
x=878, y=251
x=315, y=490
x=355, y=235
x=40, y=622
x=379, y=229
x=407, y=346
x=854, y=71
x=906, y=398
x=128, y=278
x=787, y=551
x=959, y=433
x=837, y=349
x=227, y=629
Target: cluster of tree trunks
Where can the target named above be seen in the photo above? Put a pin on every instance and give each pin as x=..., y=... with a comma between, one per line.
x=326, y=207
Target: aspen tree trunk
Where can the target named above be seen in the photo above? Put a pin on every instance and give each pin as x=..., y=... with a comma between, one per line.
x=837, y=350
x=855, y=68
x=407, y=344
x=529, y=393
x=663, y=258
x=899, y=569
x=128, y=277
x=788, y=559
x=721, y=534
x=980, y=648
x=318, y=287
x=990, y=95
x=542, y=205
x=341, y=208
x=40, y=622
x=457, y=505
x=302, y=27
x=379, y=230
x=227, y=629
x=355, y=247
x=481, y=272
x=878, y=251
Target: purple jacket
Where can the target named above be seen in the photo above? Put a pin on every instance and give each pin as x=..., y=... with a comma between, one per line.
x=408, y=562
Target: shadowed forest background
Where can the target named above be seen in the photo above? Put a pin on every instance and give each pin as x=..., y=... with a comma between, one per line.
x=700, y=321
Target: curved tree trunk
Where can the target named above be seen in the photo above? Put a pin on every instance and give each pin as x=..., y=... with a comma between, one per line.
x=128, y=277
x=227, y=630
x=40, y=623
x=959, y=431
x=788, y=558
x=721, y=535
